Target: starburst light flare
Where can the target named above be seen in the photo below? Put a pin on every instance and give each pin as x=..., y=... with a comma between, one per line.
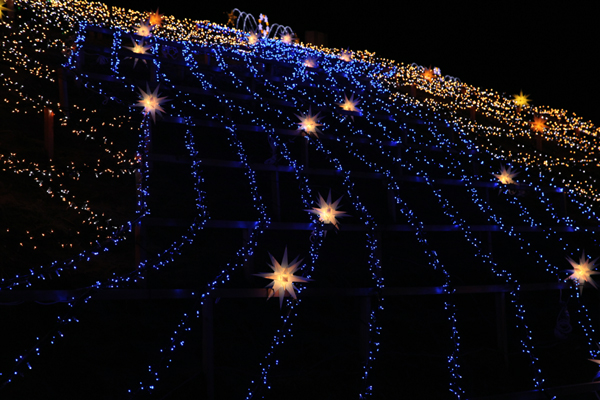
x=283, y=277
x=310, y=62
x=287, y=38
x=156, y=18
x=151, y=102
x=252, y=37
x=231, y=17
x=582, y=272
x=349, y=104
x=138, y=48
x=521, y=99
x=2, y=9
x=538, y=124
x=327, y=211
x=428, y=74
x=345, y=55
x=144, y=30
x=506, y=176
x=309, y=123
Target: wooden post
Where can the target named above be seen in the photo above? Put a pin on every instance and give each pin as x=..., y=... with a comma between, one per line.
x=49, y=132
x=501, y=324
x=413, y=90
x=208, y=352
x=473, y=112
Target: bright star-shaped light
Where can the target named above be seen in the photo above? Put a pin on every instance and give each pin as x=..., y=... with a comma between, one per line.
x=283, y=277
x=349, y=104
x=428, y=74
x=287, y=38
x=538, y=124
x=231, y=18
x=582, y=272
x=138, y=48
x=156, y=18
x=521, y=99
x=327, y=211
x=506, y=176
x=3, y=8
x=310, y=62
x=345, y=55
x=309, y=123
x=252, y=37
x=144, y=30
x=151, y=102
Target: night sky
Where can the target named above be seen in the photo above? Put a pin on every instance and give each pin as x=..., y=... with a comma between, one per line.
x=546, y=51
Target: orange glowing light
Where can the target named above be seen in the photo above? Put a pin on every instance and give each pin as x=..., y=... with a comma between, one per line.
x=231, y=18
x=156, y=18
x=428, y=74
x=538, y=124
x=521, y=99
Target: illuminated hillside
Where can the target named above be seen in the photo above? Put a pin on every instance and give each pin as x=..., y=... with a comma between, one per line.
x=155, y=171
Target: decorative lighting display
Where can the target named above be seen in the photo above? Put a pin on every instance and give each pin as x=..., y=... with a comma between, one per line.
x=287, y=38
x=416, y=128
x=521, y=100
x=349, y=104
x=310, y=62
x=346, y=55
x=538, y=124
x=263, y=25
x=283, y=277
x=582, y=271
x=327, y=211
x=309, y=123
x=151, y=101
x=506, y=176
x=144, y=30
x=155, y=18
x=428, y=74
x=252, y=37
x=138, y=48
